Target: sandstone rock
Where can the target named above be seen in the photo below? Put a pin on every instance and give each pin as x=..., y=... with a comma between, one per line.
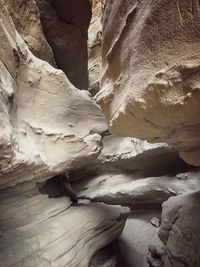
x=94, y=47
x=65, y=25
x=151, y=70
x=180, y=230
x=47, y=125
x=130, y=190
x=38, y=231
x=26, y=17
x=155, y=222
x=130, y=155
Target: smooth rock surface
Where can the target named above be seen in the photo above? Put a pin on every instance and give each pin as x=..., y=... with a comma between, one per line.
x=136, y=237
x=47, y=125
x=133, y=191
x=151, y=72
x=38, y=231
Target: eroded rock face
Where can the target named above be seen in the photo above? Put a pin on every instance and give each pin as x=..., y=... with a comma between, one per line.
x=47, y=125
x=151, y=72
x=134, y=173
x=26, y=17
x=65, y=24
x=180, y=230
x=37, y=231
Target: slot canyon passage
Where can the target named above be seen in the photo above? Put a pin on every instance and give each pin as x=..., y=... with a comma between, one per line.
x=100, y=104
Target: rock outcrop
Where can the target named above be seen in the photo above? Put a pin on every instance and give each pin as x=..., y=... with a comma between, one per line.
x=26, y=17
x=180, y=230
x=130, y=190
x=151, y=70
x=149, y=90
x=47, y=125
x=38, y=231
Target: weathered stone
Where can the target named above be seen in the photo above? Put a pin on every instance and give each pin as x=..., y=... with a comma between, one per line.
x=26, y=17
x=155, y=222
x=180, y=230
x=38, y=231
x=133, y=190
x=151, y=69
x=47, y=125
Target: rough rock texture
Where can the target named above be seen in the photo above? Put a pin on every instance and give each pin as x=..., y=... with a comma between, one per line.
x=26, y=17
x=151, y=72
x=133, y=156
x=65, y=25
x=47, y=125
x=94, y=47
x=180, y=230
x=37, y=231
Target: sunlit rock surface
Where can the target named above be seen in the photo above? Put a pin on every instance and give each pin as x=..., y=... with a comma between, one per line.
x=47, y=125
x=26, y=17
x=150, y=72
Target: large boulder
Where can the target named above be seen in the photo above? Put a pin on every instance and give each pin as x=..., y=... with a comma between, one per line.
x=150, y=72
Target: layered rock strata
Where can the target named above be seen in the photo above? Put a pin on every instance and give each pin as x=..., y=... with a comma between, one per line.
x=38, y=231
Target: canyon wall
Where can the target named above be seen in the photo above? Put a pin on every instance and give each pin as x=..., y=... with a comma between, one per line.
x=150, y=89
x=150, y=72
x=140, y=59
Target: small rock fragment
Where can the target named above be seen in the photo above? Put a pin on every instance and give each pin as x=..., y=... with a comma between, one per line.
x=156, y=222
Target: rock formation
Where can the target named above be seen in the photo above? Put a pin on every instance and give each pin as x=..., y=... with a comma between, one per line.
x=26, y=16
x=150, y=72
x=137, y=199
x=180, y=230
x=38, y=231
x=42, y=114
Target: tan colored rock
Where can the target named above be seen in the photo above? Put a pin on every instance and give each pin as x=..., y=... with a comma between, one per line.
x=151, y=72
x=132, y=190
x=180, y=230
x=38, y=231
x=47, y=125
x=26, y=17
